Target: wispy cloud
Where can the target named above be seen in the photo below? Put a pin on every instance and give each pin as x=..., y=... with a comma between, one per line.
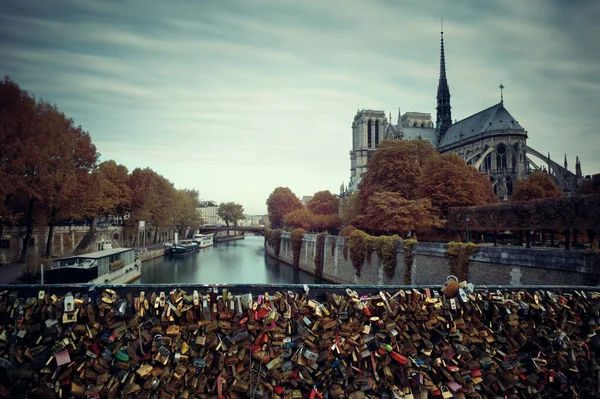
x=235, y=98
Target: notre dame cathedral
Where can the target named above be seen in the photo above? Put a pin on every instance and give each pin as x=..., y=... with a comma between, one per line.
x=492, y=140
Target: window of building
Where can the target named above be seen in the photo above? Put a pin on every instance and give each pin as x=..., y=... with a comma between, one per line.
x=501, y=163
x=514, y=162
x=369, y=133
x=5, y=243
x=509, y=185
x=376, y=133
x=487, y=162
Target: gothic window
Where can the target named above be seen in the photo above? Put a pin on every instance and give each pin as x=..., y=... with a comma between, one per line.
x=501, y=163
x=376, y=133
x=514, y=162
x=509, y=185
x=487, y=162
x=369, y=133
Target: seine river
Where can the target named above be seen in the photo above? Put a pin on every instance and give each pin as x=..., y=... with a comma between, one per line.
x=235, y=262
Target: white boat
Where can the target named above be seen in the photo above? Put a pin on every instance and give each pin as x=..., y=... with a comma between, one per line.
x=204, y=240
x=109, y=266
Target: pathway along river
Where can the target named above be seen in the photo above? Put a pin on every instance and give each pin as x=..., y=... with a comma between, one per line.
x=234, y=262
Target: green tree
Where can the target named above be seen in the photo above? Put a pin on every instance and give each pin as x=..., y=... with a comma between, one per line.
x=324, y=203
x=230, y=212
x=281, y=202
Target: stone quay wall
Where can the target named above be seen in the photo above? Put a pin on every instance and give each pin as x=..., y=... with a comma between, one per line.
x=490, y=265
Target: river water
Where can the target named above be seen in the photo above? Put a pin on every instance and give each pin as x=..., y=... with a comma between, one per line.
x=234, y=262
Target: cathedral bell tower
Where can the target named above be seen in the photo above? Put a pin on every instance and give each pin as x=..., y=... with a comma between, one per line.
x=444, y=115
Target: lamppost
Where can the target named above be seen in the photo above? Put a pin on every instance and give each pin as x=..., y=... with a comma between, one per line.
x=467, y=220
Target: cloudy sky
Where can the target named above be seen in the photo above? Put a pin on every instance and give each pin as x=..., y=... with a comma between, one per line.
x=235, y=98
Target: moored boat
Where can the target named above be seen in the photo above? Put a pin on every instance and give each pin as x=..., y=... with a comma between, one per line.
x=204, y=240
x=109, y=266
x=184, y=247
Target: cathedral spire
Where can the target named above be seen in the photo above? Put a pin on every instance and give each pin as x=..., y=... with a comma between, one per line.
x=444, y=116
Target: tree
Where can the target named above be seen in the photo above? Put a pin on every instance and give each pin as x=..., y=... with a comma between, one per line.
x=591, y=186
x=538, y=185
x=185, y=213
x=389, y=212
x=301, y=218
x=281, y=202
x=448, y=181
x=397, y=166
x=117, y=193
x=324, y=203
x=230, y=212
x=350, y=208
x=152, y=199
x=43, y=158
x=422, y=180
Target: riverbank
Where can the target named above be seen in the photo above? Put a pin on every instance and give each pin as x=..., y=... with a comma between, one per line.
x=423, y=263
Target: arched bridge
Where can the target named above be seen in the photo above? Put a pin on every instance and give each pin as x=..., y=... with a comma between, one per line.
x=249, y=229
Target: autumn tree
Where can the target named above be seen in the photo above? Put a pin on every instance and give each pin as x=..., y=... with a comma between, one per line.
x=185, y=210
x=388, y=212
x=397, y=166
x=538, y=185
x=448, y=181
x=300, y=218
x=591, y=186
x=350, y=208
x=152, y=199
x=324, y=203
x=422, y=180
x=230, y=212
x=281, y=202
x=43, y=157
x=117, y=194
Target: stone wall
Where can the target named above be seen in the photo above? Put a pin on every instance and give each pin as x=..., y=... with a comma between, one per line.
x=491, y=265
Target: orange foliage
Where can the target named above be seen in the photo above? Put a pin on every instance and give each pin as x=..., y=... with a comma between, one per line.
x=305, y=219
x=323, y=203
x=538, y=185
x=412, y=175
x=448, y=181
x=389, y=212
x=281, y=202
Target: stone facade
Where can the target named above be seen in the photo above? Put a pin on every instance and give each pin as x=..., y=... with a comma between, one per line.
x=490, y=266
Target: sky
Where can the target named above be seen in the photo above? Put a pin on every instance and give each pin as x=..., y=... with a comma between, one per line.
x=236, y=98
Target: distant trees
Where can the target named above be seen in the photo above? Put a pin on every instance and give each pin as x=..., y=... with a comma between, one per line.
x=324, y=203
x=538, y=185
x=410, y=186
x=281, y=202
x=591, y=186
x=230, y=212
x=49, y=173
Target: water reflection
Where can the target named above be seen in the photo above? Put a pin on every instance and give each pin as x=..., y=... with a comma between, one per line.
x=234, y=262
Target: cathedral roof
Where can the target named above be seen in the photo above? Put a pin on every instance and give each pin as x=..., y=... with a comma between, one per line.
x=495, y=118
x=420, y=133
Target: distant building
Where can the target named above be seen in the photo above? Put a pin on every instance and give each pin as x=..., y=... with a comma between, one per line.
x=492, y=140
x=305, y=199
x=208, y=213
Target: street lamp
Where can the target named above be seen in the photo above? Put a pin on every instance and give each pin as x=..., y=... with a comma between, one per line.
x=467, y=220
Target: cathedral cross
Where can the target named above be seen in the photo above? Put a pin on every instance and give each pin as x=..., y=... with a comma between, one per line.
x=501, y=87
